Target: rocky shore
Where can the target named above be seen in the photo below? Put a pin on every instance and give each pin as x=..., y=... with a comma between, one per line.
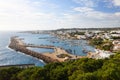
x=18, y=45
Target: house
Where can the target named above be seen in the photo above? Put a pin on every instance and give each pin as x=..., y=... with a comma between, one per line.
x=116, y=44
x=116, y=47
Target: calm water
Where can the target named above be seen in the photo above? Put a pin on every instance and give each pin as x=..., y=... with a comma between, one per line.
x=8, y=57
x=73, y=46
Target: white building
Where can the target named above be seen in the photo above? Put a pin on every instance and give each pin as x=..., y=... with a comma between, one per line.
x=116, y=44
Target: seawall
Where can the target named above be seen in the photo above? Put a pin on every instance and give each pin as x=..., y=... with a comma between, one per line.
x=18, y=45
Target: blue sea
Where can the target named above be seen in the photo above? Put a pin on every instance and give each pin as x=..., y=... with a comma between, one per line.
x=11, y=57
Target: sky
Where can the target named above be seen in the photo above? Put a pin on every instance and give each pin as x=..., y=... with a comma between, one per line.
x=55, y=14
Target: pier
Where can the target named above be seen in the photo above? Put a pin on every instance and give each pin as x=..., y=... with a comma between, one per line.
x=39, y=46
x=18, y=45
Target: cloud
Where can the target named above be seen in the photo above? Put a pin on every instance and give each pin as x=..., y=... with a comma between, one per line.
x=91, y=13
x=87, y=3
x=95, y=3
x=83, y=9
x=116, y=2
x=112, y=3
x=25, y=14
x=117, y=14
x=91, y=20
x=90, y=17
x=32, y=15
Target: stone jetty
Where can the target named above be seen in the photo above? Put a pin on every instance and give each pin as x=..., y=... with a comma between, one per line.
x=39, y=46
x=18, y=45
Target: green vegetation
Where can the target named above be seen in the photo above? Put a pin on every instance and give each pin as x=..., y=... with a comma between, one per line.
x=77, y=33
x=82, y=69
x=63, y=55
x=96, y=41
x=115, y=37
x=114, y=33
x=102, y=44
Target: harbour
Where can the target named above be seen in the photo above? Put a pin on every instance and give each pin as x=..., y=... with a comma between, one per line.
x=42, y=43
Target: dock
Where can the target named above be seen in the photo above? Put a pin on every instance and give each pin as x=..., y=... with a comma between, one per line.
x=39, y=46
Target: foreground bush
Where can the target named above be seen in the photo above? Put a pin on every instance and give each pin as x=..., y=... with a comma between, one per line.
x=82, y=69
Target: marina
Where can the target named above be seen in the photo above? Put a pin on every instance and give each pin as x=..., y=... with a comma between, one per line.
x=18, y=45
x=40, y=43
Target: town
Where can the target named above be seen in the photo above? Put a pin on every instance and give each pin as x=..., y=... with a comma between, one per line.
x=105, y=40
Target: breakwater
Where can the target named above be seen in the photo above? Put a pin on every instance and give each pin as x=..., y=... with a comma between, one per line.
x=18, y=45
x=40, y=46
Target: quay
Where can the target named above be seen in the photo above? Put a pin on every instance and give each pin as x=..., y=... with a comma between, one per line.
x=39, y=46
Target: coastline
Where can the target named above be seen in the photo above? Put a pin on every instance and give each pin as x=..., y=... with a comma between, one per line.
x=26, y=55
x=18, y=45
